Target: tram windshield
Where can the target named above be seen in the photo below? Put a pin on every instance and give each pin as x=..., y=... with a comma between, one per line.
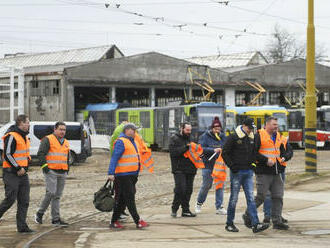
x=282, y=121
x=295, y=120
x=230, y=121
x=327, y=120
x=206, y=116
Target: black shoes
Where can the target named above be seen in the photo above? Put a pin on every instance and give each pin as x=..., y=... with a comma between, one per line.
x=173, y=214
x=59, y=222
x=231, y=228
x=38, y=218
x=280, y=226
x=285, y=221
x=266, y=220
x=260, y=227
x=247, y=221
x=188, y=214
x=26, y=230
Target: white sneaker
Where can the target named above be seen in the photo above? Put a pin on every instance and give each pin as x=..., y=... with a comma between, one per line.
x=221, y=211
x=122, y=217
x=198, y=208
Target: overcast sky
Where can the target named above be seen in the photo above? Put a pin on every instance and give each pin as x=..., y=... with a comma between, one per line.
x=180, y=28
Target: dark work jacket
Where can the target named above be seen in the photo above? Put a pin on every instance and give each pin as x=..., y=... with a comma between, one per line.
x=262, y=167
x=209, y=142
x=238, y=151
x=178, y=146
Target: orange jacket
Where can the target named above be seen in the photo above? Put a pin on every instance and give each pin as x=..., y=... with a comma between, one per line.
x=146, y=158
x=57, y=156
x=219, y=173
x=194, y=153
x=22, y=152
x=268, y=148
x=129, y=161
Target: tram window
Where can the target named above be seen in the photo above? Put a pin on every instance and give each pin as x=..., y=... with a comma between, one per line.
x=145, y=119
x=171, y=117
x=282, y=121
x=193, y=117
x=327, y=121
x=123, y=116
x=259, y=123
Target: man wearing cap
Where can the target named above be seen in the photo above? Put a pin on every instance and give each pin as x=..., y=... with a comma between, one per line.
x=212, y=142
x=238, y=154
x=124, y=167
x=268, y=172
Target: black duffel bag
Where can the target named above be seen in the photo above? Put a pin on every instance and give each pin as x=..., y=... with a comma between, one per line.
x=103, y=198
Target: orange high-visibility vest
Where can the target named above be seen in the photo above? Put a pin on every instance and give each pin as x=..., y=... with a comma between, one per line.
x=194, y=153
x=146, y=158
x=129, y=161
x=22, y=152
x=284, y=141
x=57, y=156
x=268, y=148
x=219, y=173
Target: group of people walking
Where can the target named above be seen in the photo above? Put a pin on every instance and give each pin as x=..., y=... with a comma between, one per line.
x=53, y=156
x=244, y=152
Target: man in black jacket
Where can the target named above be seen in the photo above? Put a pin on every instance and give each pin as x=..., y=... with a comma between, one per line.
x=15, y=167
x=238, y=154
x=183, y=171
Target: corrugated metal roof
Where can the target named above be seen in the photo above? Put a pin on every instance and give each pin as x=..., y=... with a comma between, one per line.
x=57, y=58
x=325, y=62
x=230, y=60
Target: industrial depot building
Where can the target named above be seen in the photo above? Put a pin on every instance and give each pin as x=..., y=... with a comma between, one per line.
x=59, y=85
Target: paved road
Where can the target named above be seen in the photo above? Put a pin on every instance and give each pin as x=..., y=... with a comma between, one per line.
x=306, y=206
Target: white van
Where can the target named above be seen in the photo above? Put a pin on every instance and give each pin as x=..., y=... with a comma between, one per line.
x=76, y=134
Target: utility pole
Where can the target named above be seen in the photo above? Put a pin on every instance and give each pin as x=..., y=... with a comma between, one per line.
x=310, y=98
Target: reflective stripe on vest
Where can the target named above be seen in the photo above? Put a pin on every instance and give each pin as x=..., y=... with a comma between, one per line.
x=22, y=151
x=146, y=158
x=129, y=161
x=147, y=161
x=194, y=153
x=268, y=148
x=219, y=173
x=57, y=156
x=218, y=183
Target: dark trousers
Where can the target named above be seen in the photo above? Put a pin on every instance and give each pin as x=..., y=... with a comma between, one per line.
x=182, y=191
x=16, y=187
x=125, y=187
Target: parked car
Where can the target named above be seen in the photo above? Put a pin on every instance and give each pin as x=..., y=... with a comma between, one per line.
x=77, y=134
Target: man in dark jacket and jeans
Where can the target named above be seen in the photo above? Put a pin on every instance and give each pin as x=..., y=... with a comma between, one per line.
x=238, y=154
x=183, y=171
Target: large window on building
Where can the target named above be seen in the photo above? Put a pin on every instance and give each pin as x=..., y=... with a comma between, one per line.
x=45, y=88
x=274, y=97
x=240, y=98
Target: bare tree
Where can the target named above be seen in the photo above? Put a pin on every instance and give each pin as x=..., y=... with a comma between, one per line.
x=283, y=46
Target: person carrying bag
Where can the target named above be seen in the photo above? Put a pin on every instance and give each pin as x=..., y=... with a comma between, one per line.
x=103, y=198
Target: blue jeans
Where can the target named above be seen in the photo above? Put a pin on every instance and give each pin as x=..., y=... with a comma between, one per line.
x=268, y=200
x=242, y=178
x=206, y=185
